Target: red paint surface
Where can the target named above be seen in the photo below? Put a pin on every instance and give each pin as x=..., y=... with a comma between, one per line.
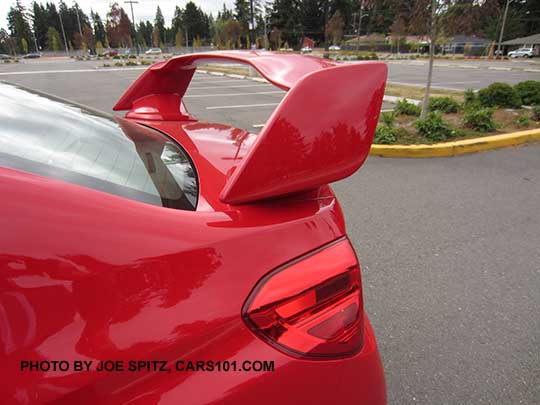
x=85, y=275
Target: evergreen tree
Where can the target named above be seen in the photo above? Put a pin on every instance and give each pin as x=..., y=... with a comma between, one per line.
x=286, y=16
x=313, y=19
x=99, y=28
x=159, y=26
x=39, y=24
x=18, y=26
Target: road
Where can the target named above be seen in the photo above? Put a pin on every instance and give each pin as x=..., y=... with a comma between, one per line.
x=463, y=75
x=450, y=247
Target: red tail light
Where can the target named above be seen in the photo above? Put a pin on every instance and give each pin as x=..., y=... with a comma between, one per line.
x=311, y=308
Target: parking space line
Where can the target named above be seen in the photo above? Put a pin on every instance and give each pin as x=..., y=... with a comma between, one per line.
x=442, y=84
x=229, y=87
x=38, y=72
x=233, y=94
x=224, y=80
x=223, y=107
x=258, y=125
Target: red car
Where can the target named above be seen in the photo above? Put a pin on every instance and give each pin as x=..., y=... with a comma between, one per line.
x=160, y=259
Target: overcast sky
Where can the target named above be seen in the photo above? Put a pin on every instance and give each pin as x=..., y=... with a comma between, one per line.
x=145, y=10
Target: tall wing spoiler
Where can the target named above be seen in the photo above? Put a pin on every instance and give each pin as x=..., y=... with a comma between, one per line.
x=321, y=131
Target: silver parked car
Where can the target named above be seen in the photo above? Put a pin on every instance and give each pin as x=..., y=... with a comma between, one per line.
x=153, y=51
x=523, y=53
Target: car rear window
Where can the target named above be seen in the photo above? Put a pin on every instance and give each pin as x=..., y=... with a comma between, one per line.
x=67, y=142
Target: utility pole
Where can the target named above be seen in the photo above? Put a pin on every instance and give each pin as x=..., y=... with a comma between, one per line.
x=78, y=20
x=359, y=24
x=502, y=29
x=131, y=3
x=35, y=41
x=63, y=32
x=252, y=23
x=265, y=34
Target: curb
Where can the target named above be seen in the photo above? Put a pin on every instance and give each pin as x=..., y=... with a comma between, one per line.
x=455, y=148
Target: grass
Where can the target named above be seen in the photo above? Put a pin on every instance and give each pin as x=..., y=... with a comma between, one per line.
x=237, y=70
x=417, y=92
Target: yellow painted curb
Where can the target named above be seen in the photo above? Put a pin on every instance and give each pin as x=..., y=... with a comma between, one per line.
x=457, y=147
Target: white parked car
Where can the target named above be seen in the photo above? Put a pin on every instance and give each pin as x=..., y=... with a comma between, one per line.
x=523, y=53
x=153, y=51
x=334, y=48
x=306, y=49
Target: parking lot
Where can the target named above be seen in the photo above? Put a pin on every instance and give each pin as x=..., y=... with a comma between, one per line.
x=450, y=247
x=461, y=75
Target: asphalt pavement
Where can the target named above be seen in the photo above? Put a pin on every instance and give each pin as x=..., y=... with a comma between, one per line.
x=450, y=247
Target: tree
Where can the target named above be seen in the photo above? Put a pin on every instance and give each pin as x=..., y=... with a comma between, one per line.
x=334, y=27
x=118, y=27
x=144, y=33
x=7, y=43
x=99, y=28
x=18, y=26
x=39, y=24
x=53, y=19
x=434, y=7
x=156, y=37
x=178, y=20
x=195, y=22
x=243, y=16
x=286, y=16
x=179, y=39
x=398, y=30
x=313, y=19
x=225, y=14
x=99, y=47
x=88, y=37
x=54, y=43
x=159, y=26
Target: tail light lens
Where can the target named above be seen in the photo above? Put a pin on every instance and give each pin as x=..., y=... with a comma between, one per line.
x=311, y=308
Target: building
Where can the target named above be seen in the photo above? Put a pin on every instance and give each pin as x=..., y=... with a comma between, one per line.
x=532, y=41
x=469, y=45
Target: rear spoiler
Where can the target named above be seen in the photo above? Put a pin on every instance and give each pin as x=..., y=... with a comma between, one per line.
x=321, y=131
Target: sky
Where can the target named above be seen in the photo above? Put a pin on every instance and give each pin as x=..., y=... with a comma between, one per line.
x=145, y=10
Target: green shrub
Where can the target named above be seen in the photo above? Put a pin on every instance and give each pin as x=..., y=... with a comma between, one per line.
x=480, y=120
x=443, y=104
x=384, y=135
x=535, y=113
x=106, y=65
x=434, y=128
x=132, y=57
x=7, y=60
x=523, y=121
x=131, y=63
x=118, y=64
x=470, y=97
x=529, y=92
x=116, y=57
x=145, y=62
x=500, y=95
x=388, y=118
x=406, y=108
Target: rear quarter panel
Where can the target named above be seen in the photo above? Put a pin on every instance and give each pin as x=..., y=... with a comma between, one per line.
x=89, y=276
